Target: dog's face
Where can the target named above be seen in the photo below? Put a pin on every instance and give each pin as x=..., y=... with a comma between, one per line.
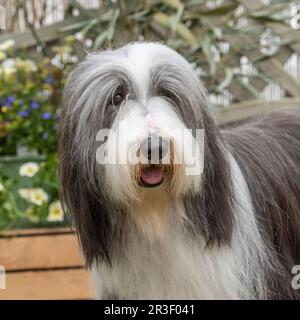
x=131, y=141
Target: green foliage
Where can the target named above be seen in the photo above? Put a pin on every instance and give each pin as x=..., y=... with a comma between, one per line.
x=30, y=95
x=192, y=27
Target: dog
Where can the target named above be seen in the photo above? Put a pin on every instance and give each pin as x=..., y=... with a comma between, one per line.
x=227, y=229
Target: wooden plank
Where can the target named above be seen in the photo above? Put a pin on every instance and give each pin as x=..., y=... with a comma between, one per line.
x=46, y=34
x=287, y=34
x=34, y=232
x=296, y=47
x=271, y=67
x=40, y=252
x=244, y=45
x=56, y=284
x=252, y=108
x=274, y=69
x=252, y=4
x=49, y=33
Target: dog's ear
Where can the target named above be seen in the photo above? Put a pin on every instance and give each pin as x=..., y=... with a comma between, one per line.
x=88, y=209
x=82, y=185
x=211, y=209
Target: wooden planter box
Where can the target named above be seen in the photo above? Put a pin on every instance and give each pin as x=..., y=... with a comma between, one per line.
x=43, y=264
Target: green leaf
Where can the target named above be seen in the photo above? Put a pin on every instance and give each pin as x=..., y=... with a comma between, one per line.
x=206, y=48
x=74, y=26
x=90, y=25
x=138, y=15
x=176, y=4
x=223, y=10
x=84, y=12
x=229, y=74
x=101, y=39
x=181, y=29
x=250, y=88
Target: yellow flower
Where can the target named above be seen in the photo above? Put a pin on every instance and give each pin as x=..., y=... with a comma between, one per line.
x=26, y=65
x=62, y=50
x=70, y=40
x=7, y=44
x=2, y=55
x=8, y=73
x=36, y=196
x=55, y=212
x=1, y=187
x=29, y=169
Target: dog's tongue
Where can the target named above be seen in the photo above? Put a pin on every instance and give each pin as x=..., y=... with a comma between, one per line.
x=152, y=175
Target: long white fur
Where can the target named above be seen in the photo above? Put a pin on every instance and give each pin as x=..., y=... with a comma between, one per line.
x=178, y=268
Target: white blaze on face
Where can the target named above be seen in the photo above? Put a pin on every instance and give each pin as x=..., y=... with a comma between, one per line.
x=142, y=114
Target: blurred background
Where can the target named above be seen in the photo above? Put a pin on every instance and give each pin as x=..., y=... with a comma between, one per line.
x=245, y=52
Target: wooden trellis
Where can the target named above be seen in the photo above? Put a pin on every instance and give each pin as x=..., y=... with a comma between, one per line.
x=270, y=67
x=273, y=66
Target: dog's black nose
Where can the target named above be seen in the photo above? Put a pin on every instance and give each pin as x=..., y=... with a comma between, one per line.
x=154, y=148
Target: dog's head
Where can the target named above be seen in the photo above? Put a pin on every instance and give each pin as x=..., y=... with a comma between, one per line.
x=134, y=135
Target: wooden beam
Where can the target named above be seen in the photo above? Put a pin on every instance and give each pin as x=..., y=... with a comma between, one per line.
x=53, y=285
x=252, y=108
x=40, y=252
x=35, y=232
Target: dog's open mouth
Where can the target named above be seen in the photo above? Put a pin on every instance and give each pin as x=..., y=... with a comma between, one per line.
x=152, y=176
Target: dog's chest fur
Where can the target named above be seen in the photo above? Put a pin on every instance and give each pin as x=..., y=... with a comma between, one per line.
x=173, y=268
x=182, y=267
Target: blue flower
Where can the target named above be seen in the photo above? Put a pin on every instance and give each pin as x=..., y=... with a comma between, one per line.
x=23, y=114
x=34, y=105
x=49, y=79
x=45, y=135
x=46, y=115
x=8, y=101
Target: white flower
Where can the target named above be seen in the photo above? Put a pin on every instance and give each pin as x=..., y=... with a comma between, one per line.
x=8, y=68
x=29, y=169
x=9, y=63
x=2, y=55
x=25, y=193
x=79, y=36
x=31, y=214
x=7, y=44
x=55, y=212
x=36, y=196
x=1, y=187
x=7, y=206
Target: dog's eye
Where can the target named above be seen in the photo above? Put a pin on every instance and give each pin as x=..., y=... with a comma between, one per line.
x=118, y=98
